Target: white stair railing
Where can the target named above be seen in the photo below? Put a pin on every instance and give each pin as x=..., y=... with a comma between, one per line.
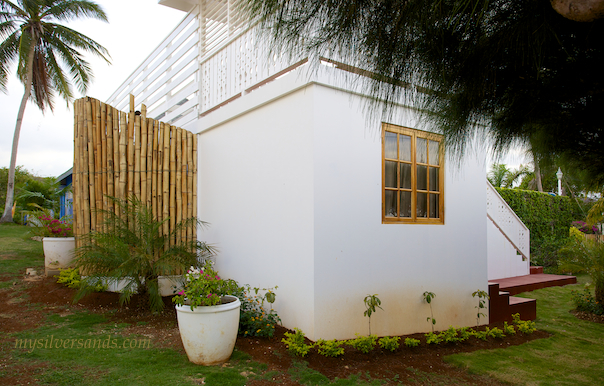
x=510, y=225
x=211, y=58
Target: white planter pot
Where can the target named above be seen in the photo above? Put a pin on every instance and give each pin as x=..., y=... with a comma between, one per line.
x=58, y=253
x=209, y=333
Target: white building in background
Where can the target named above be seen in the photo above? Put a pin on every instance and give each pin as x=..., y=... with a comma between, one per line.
x=306, y=192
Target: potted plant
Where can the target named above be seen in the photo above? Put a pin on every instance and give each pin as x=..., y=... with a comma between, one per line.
x=208, y=315
x=57, y=239
x=130, y=253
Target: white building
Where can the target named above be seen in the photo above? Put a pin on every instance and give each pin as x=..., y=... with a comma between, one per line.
x=306, y=192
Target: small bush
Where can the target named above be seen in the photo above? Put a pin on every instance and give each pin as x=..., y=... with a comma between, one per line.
x=432, y=338
x=496, y=333
x=254, y=319
x=389, y=343
x=71, y=278
x=295, y=343
x=330, y=348
x=363, y=343
x=584, y=301
x=465, y=333
x=410, y=342
x=452, y=336
x=482, y=335
x=524, y=326
x=508, y=329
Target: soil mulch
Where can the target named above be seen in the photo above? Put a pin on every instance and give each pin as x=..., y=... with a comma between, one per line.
x=162, y=329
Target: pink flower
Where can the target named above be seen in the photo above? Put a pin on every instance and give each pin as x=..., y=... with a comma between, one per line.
x=217, y=277
x=181, y=293
x=209, y=295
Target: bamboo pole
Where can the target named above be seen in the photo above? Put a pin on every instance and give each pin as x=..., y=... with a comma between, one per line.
x=130, y=154
x=98, y=191
x=155, y=182
x=149, y=161
x=166, y=178
x=137, y=155
x=183, y=174
x=143, y=155
x=116, y=156
x=76, y=175
x=173, y=139
x=104, y=145
x=91, y=164
x=123, y=154
x=83, y=162
x=194, y=185
x=189, y=182
x=110, y=154
x=178, y=172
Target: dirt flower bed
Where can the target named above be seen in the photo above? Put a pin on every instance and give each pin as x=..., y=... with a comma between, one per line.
x=162, y=329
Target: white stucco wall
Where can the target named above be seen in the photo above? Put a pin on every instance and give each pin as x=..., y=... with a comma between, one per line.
x=503, y=260
x=292, y=187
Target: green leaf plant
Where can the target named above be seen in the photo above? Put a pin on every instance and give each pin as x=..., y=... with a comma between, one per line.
x=371, y=302
x=428, y=296
x=482, y=299
x=131, y=246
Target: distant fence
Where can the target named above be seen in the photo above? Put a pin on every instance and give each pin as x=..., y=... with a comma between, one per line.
x=121, y=154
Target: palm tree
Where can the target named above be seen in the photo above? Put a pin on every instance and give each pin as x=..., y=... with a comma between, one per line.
x=44, y=52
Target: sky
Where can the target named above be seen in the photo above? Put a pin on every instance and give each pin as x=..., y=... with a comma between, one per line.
x=135, y=28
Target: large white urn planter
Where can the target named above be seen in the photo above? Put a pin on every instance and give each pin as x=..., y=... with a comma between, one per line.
x=209, y=333
x=58, y=253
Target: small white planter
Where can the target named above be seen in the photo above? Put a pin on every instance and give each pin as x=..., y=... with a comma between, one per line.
x=58, y=253
x=209, y=333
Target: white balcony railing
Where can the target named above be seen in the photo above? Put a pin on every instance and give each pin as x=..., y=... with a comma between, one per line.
x=510, y=225
x=209, y=59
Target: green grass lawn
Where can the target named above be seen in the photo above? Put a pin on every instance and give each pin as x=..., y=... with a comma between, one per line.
x=573, y=355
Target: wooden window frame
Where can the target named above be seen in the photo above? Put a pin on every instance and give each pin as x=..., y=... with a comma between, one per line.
x=414, y=219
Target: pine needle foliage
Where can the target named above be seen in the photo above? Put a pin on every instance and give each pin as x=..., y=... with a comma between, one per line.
x=506, y=72
x=132, y=247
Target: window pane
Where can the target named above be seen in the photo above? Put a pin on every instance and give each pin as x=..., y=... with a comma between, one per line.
x=433, y=179
x=405, y=147
x=390, y=145
x=405, y=204
x=422, y=150
x=422, y=177
x=422, y=205
x=433, y=147
x=390, y=174
x=433, y=205
x=406, y=176
x=390, y=204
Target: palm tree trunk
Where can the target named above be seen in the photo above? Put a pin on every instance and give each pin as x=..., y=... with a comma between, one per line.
x=538, y=174
x=10, y=189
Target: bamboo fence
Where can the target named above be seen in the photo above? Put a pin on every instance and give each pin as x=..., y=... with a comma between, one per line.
x=118, y=154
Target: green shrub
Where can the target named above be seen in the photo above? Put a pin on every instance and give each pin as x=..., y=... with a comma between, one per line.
x=508, y=329
x=432, y=338
x=295, y=343
x=496, y=333
x=524, y=326
x=482, y=335
x=71, y=278
x=410, y=342
x=581, y=255
x=330, y=348
x=465, y=333
x=585, y=301
x=547, y=217
x=254, y=318
x=450, y=335
x=132, y=246
x=363, y=343
x=388, y=343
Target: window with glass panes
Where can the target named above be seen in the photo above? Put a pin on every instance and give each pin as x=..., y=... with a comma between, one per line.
x=412, y=176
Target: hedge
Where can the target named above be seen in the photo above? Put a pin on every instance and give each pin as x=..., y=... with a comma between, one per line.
x=547, y=217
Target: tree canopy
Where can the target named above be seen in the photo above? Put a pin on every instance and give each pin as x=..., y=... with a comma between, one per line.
x=508, y=71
